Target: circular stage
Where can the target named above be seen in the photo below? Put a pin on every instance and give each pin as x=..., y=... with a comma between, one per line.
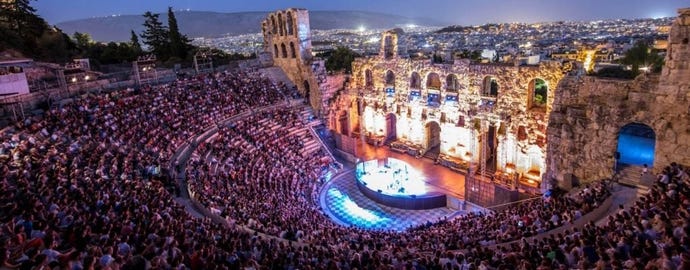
x=393, y=182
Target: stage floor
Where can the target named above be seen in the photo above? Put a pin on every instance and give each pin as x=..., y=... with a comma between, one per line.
x=346, y=205
x=440, y=178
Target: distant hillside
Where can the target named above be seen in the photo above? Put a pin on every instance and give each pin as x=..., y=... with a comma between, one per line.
x=210, y=24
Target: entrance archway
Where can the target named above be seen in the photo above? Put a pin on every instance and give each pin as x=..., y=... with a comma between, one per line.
x=491, y=149
x=306, y=91
x=433, y=139
x=391, y=131
x=636, y=145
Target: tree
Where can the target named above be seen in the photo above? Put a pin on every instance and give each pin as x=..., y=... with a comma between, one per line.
x=156, y=36
x=179, y=44
x=134, y=42
x=83, y=40
x=641, y=55
x=16, y=13
x=341, y=59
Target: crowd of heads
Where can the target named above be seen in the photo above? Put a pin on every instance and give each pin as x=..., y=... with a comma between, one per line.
x=86, y=186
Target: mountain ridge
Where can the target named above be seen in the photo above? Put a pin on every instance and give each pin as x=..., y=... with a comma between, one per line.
x=214, y=24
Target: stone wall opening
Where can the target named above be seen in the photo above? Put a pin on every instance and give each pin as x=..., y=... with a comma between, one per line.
x=452, y=84
x=283, y=49
x=306, y=90
x=433, y=138
x=415, y=81
x=538, y=90
x=281, y=24
x=491, y=149
x=275, y=51
x=433, y=81
x=368, y=79
x=490, y=87
x=344, y=123
x=290, y=24
x=388, y=47
x=391, y=128
x=390, y=79
x=293, y=54
x=274, y=25
x=636, y=144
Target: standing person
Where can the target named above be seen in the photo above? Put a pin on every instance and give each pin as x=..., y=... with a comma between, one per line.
x=644, y=169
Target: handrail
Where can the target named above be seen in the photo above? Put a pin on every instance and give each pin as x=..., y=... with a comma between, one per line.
x=512, y=203
x=323, y=144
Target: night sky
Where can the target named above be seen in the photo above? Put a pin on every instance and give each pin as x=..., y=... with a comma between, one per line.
x=462, y=12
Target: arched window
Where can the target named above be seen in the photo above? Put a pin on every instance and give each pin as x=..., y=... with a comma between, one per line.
x=292, y=50
x=490, y=87
x=433, y=81
x=281, y=24
x=274, y=25
x=390, y=78
x=452, y=83
x=415, y=81
x=538, y=93
x=290, y=24
x=283, y=49
x=388, y=47
x=275, y=50
x=368, y=79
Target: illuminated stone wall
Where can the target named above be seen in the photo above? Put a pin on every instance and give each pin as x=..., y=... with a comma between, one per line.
x=520, y=124
x=287, y=37
x=588, y=114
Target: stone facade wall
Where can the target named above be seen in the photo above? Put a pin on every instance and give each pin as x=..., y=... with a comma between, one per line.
x=521, y=127
x=588, y=114
x=287, y=37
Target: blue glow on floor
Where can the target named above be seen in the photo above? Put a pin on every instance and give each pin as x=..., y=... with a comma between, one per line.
x=356, y=215
x=635, y=150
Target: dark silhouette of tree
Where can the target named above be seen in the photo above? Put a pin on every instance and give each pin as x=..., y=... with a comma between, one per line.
x=156, y=36
x=340, y=59
x=134, y=41
x=83, y=40
x=179, y=44
x=15, y=14
x=641, y=55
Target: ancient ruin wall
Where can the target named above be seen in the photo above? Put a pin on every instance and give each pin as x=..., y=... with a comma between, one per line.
x=524, y=125
x=588, y=114
x=287, y=37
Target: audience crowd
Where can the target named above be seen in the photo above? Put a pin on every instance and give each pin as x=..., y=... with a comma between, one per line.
x=86, y=187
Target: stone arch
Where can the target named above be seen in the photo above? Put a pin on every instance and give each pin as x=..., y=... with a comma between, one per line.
x=433, y=135
x=290, y=24
x=307, y=89
x=390, y=78
x=283, y=49
x=490, y=86
x=452, y=83
x=276, y=52
x=636, y=145
x=281, y=24
x=274, y=25
x=388, y=47
x=293, y=54
x=538, y=93
x=433, y=81
x=368, y=78
x=391, y=127
x=415, y=81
